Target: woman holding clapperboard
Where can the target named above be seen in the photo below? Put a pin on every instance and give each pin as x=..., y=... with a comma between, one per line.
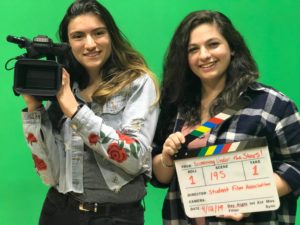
x=208, y=69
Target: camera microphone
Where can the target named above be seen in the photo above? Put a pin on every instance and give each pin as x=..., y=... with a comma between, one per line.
x=38, y=72
x=20, y=41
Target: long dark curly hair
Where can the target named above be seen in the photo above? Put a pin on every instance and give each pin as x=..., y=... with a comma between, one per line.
x=181, y=88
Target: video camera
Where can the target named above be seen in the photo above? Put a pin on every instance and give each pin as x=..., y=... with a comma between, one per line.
x=33, y=76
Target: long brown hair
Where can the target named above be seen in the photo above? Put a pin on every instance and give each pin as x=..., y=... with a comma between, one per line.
x=123, y=66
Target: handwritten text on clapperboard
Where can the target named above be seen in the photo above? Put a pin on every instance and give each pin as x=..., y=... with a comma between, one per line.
x=234, y=182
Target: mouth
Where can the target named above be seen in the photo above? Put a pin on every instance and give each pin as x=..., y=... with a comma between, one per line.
x=208, y=65
x=92, y=54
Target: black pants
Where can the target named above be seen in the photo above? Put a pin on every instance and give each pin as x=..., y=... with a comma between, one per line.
x=62, y=209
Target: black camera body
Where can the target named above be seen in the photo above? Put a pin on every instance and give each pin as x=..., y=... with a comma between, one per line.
x=35, y=76
x=40, y=78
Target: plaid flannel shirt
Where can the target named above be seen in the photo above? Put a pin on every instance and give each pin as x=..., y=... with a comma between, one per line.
x=269, y=114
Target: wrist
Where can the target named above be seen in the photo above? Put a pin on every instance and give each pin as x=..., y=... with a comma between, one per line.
x=33, y=107
x=79, y=106
x=164, y=164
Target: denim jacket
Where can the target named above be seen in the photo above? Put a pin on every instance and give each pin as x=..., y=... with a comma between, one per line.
x=119, y=132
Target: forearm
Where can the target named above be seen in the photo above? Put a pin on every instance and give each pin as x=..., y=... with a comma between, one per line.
x=162, y=171
x=38, y=133
x=129, y=150
x=282, y=186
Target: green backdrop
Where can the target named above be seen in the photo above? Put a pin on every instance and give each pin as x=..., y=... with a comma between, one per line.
x=271, y=29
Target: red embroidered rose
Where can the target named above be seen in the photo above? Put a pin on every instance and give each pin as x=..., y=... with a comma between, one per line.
x=116, y=153
x=39, y=163
x=31, y=138
x=93, y=138
x=125, y=138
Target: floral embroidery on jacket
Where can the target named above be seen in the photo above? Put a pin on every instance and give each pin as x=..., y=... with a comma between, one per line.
x=116, y=153
x=31, y=138
x=118, y=150
x=94, y=138
x=126, y=138
x=39, y=163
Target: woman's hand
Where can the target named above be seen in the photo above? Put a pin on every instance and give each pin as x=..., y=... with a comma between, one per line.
x=31, y=102
x=171, y=146
x=236, y=216
x=163, y=164
x=65, y=96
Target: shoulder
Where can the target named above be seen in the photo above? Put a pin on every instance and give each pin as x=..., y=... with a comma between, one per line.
x=144, y=82
x=269, y=98
x=259, y=89
x=143, y=79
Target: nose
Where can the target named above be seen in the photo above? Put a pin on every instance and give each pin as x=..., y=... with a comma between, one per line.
x=204, y=54
x=90, y=42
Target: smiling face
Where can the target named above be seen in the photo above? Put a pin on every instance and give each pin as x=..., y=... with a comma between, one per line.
x=209, y=54
x=90, y=41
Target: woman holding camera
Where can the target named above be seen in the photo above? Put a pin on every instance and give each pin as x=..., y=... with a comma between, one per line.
x=92, y=145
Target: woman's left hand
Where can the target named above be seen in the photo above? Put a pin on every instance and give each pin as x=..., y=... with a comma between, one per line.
x=65, y=96
x=235, y=216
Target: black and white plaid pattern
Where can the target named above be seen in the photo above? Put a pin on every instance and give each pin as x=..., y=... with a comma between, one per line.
x=269, y=114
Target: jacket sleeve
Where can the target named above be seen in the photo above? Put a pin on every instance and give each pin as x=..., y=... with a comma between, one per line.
x=127, y=145
x=38, y=134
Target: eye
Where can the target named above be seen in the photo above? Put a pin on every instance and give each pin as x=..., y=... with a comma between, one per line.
x=213, y=44
x=76, y=35
x=100, y=32
x=192, y=49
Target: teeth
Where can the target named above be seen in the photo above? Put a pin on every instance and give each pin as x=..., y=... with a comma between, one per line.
x=92, y=54
x=207, y=65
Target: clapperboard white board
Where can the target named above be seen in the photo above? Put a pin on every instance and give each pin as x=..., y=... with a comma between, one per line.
x=231, y=178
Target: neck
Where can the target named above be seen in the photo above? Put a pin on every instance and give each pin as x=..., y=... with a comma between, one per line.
x=94, y=76
x=94, y=80
x=211, y=90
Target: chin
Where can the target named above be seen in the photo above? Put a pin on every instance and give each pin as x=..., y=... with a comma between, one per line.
x=93, y=65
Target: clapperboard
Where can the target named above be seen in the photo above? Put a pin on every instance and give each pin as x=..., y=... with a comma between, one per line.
x=230, y=178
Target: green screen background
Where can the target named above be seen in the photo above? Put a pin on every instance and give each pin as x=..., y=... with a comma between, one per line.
x=271, y=29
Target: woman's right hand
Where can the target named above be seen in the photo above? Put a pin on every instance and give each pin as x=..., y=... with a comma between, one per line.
x=171, y=146
x=31, y=102
x=163, y=164
x=65, y=96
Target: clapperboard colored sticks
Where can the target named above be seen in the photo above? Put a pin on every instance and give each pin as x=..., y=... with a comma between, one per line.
x=220, y=149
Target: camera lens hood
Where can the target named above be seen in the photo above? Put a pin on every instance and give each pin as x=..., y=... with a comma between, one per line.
x=35, y=77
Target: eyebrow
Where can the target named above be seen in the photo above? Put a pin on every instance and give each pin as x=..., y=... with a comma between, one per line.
x=209, y=40
x=82, y=31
